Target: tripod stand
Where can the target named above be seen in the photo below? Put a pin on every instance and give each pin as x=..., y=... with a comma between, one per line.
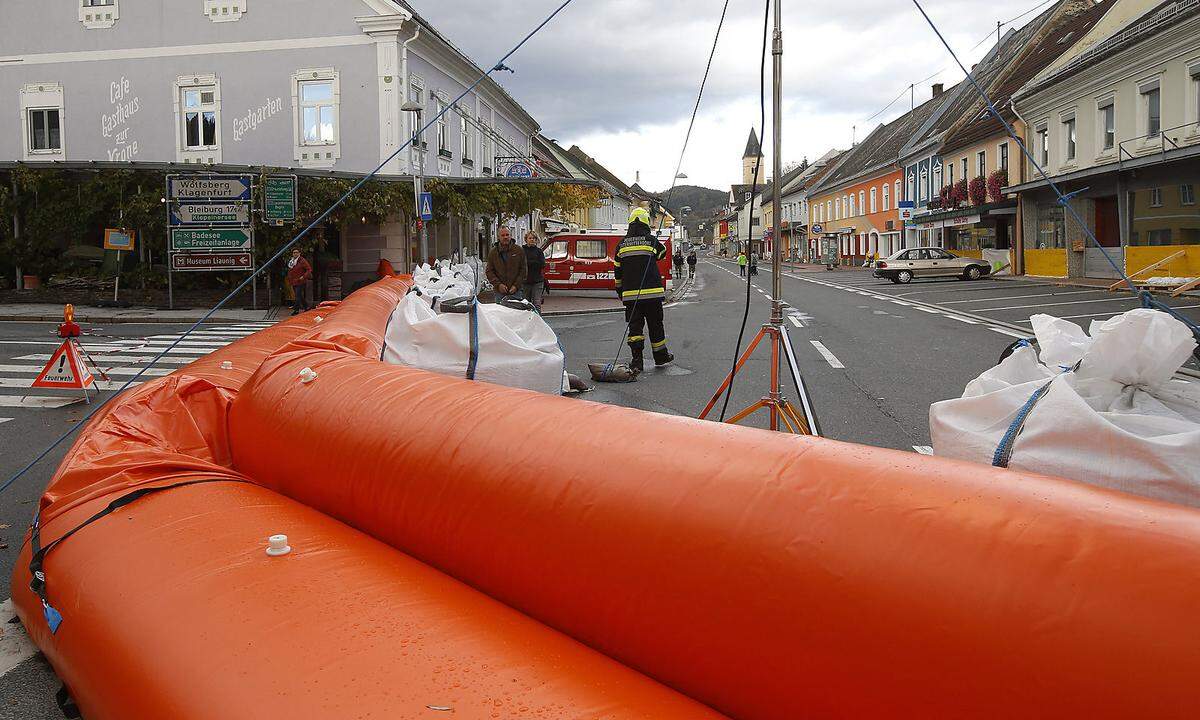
x=804, y=421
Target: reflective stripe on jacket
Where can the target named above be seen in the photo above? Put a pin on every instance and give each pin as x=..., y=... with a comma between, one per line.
x=635, y=267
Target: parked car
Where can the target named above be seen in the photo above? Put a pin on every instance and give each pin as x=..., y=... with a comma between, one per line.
x=904, y=265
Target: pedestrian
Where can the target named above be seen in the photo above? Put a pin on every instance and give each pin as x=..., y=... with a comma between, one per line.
x=691, y=263
x=535, y=263
x=640, y=287
x=506, y=269
x=753, y=263
x=741, y=261
x=678, y=261
x=299, y=273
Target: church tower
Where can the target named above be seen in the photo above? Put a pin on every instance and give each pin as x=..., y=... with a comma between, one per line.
x=752, y=155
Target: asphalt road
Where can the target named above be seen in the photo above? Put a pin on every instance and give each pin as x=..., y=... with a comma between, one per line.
x=874, y=356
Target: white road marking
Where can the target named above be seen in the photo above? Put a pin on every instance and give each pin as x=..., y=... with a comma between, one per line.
x=1073, y=302
x=4, y=420
x=923, y=449
x=928, y=310
x=1110, y=314
x=962, y=319
x=38, y=401
x=33, y=370
x=108, y=347
x=15, y=645
x=829, y=357
x=1010, y=333
x=901, y=302
x=25, y=383
x=796, y=321
x=1021, y=297
x=131, y=359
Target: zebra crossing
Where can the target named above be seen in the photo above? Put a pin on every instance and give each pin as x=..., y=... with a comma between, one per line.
x=121, y=359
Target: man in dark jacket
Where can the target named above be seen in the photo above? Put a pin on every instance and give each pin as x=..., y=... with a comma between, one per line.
x=640, y=287
x=506, y=268
x=691, y=262
x=535, y=262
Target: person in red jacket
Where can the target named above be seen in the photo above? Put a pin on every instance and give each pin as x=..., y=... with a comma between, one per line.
x=299, y=273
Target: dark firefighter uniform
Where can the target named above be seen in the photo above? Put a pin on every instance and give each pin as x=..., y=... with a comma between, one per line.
x=641, y=288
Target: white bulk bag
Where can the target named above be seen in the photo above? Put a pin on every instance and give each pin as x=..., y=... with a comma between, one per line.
x=1112, y=414
x=516, y=348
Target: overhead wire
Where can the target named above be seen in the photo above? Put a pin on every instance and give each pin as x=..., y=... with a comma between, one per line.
x=499, y=65
x=762, y=108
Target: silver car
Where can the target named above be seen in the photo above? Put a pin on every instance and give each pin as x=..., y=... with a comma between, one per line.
x=903, y=266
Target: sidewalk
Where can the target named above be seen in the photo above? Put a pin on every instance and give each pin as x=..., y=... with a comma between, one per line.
x=44, y=312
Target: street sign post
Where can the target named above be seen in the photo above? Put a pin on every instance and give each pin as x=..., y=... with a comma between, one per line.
x=118, y=240
x=211, y=226
x=279, y=199
x=426, y=206
x=193, y=239
x=209, y=188
x=210, y=214
x=212, y=261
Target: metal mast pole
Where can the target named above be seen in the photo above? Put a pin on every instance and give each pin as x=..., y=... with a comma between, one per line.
x=777, y=162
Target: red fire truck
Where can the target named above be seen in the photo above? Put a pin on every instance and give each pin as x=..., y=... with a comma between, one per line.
x=581, y=263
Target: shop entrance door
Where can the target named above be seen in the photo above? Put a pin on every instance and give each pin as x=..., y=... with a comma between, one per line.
x=1108, y=233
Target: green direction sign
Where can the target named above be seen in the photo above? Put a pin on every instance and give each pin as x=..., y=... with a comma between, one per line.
x=279, y=198
x=214, y=239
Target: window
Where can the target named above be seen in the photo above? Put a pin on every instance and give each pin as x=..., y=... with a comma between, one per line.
x=591, y=249
x=443, y=130
x=198, y=118
x=316, y=113
x=873, y=191
x=1051, y=229
x=949, y=174
x=936, y=185
x=912, y=184
x=966, y=171
x=1194, y=86
x=828, y=211
x=1003, y=155
x=45, y=134
x=922, y=194
x=98, y=14
x=557, y=250
x=852, y=212
x=416, y=94
x=862, y=202
x=1187, y=194
x=1042, y=145
x=886, y=206
x=1156, y=197
x=1068, y=131
x=981, y=163
x=466, y=140
x=1106, y=123
x=896, y=194
x=42, y=121
x=1153, y=112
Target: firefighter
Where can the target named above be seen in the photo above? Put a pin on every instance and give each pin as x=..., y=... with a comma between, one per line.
x=640, y=287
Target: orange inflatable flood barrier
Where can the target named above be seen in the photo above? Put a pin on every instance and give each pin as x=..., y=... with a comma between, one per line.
x=468, y=550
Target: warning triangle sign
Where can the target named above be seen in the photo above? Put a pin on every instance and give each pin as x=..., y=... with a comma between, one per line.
x=64, y=370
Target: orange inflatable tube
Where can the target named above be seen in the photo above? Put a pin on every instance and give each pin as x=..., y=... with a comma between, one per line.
x=454, y=547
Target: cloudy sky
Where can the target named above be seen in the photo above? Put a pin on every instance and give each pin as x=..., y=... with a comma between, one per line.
x=619, y=77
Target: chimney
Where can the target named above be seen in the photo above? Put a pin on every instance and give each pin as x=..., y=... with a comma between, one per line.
x=937, y=89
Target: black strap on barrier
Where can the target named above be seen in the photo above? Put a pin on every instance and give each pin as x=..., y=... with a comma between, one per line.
x=473, y=360
x=66, y=704
x=37, y=561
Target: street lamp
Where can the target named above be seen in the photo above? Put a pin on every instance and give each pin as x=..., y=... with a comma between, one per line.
x=416, y=109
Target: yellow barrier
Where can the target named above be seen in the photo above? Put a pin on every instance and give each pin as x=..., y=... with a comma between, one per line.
x=1051, y=262
x=1186, y=265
